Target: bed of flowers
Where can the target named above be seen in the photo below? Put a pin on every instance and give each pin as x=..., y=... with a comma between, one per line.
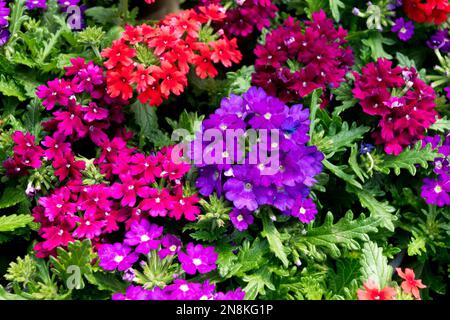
x=120, y=177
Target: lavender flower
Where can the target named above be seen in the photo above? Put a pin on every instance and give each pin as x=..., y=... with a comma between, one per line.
x=170, y=246
x=404, y=29
x=143, y=234
x=4, y=36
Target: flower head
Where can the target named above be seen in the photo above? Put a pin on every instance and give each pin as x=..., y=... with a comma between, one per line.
x=410, y=285
x=372, y=292
x=198, y=258
x=116, y=256
x=404, y=29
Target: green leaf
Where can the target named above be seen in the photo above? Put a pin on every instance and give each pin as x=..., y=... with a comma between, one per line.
x=9, y=87
x=441, y=125
x=104, y=15
x=374, y=265
x=378, y=210
x=147, y=120
x=11, y=197
x=408, y=159
x=5, y=295
x=375, y=43
x=331, y=237
x=339, y=141
x=344, y=280
x=77, y=258
x=12, y=222
x=334, y=7
x=339, y=172
x=272, y=235
x=252, y=256
x=257, y=282
x=107, y=281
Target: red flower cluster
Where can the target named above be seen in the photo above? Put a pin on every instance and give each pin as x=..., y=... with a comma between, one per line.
x=405, y=103
x=427, y=11
x=156, y=60
x=291, y=64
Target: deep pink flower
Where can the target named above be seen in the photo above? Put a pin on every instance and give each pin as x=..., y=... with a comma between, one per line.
x=146, y=167
x=57, y=91
x=67, y=166
x=158, y=202
x=56, y=146
x=93, y=112
x=185, y=206
x=129, y=189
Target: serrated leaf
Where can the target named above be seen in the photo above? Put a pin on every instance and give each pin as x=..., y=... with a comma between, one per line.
x=441, y=125
x=107, y=281
x=251, y=256
x=339, y=172
x=11, y=197
x=335, y=5
x=338, y=141
x=344, y=280
x=272, y=235
x=257, y=283
x=12, y=222
x=374, y=265
x=9, y=87
x=147, y=120
x=408, y=159
x=345, y=233
x=377, y=209
x=77, y=256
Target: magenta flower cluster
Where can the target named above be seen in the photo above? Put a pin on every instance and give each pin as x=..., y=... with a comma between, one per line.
x=135, y=185
x=246, y=16
x=294, y=62
x=4, y=15
x=250, y=186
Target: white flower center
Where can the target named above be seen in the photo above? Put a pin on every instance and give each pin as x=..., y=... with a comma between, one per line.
x=173, y=248
x=302, y=210
x=197, y=262
x=145, y=238
x=184, y=288
x=118, y=259
x=240, y=218
x=438, y=189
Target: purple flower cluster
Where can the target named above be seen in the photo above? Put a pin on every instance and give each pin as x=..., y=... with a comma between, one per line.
x=249, y=183
x=294, y=61
x=437, y=191
x=440, y=40
x=4, y=14
x=180, y=290
x=246, y=17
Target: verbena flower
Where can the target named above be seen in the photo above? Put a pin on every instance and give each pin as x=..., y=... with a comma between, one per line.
x=294, y=61
x=198, y=258
x=4, y=14
x=404, y=29
x=428, y=11
x=250, y=185
x=170, y=49
x=404, y=103
x=116, y=256
x=144, y=235
x=373, y=292
x=36, y=4
x=246, y=16
x=241, y=219
x=410, y=285
x=440, y=40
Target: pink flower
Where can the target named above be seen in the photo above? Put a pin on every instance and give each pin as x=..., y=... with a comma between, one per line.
x=144, y=235
x=410, y=285
x=93, y=112
x=185, y=207
x=68, y=167
x=371, y=292
x=129, y=189
x=55, y=237
x=158, y=202
x=146, y=167
x=89, y=227
x=56, y=147
x=58, y=204
x=57, y=91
